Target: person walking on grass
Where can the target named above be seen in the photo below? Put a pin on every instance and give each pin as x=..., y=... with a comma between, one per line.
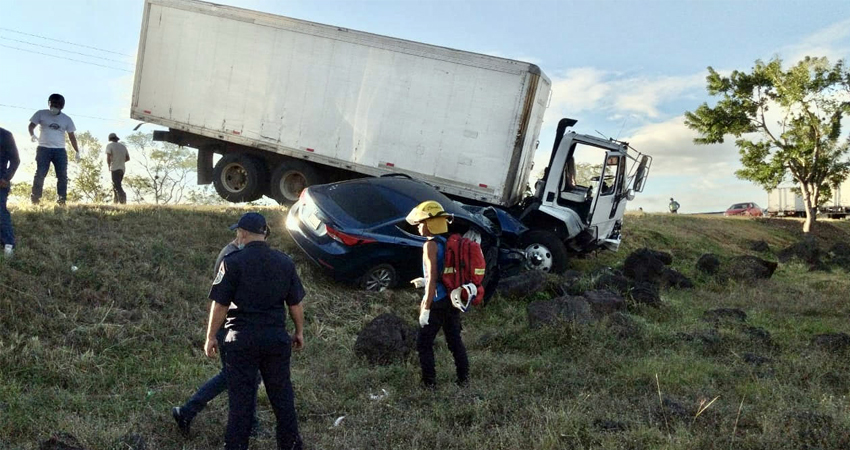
x=116, y=156
x=53, y=125
x=185, y=414
x=250, y=295
x=436, y=311
x=9, y=162
x=673, y=206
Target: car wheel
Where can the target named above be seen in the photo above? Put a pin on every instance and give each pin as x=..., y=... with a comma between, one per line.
x=544, y=251
x=239, y=178
x=378, y=278
x=290, y=178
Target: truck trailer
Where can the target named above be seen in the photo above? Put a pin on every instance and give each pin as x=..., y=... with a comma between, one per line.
x=289, y=103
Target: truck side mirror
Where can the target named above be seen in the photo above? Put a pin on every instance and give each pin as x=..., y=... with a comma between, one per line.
x=641, y=173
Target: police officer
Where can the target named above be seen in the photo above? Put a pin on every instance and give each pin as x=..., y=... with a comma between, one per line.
x=250, y=295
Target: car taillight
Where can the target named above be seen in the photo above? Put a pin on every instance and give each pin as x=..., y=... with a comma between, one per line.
x=347, y=239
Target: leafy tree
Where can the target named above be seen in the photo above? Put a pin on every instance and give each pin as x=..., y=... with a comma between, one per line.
x=88, y=179
x=805, y=142
x=165, y=170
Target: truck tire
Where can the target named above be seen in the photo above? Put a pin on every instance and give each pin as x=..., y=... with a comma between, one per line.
x=544, y=251
x=290, y=178
x=239, y=178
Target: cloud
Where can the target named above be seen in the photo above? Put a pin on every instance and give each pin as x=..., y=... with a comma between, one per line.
x=589, y=89
x=832, y=42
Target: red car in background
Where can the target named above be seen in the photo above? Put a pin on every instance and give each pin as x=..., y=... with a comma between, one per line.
x=744, y=209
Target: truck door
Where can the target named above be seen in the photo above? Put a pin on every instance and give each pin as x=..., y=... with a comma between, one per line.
x=608, y=192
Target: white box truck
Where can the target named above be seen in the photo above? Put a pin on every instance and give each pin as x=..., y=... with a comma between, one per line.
x=290, y=103
x=785, y=202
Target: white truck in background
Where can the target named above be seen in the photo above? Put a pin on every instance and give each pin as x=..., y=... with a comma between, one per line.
x=785, y=201
x=289, y=103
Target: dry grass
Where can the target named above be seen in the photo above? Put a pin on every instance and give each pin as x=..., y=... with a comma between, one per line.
x=108, y=349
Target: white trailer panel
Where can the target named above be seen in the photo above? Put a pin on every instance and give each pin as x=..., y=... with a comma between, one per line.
x=467, y=122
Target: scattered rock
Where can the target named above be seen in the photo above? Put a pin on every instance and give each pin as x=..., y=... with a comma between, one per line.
x=708, y=263
x=832, y=341
x=720, y=314
x=385, y=340
x=131, y=441
x=645, y=294
x=61, y=441
x=609, y=426
x=758, y=246
x=646, y=265
x=756, y=360
x=624, y=326
x=571, y=276
x=806, y=251
x=671, y=278
x=745, y=268
x=572, y=309
x=604, y=302
x=523, y=284
x=612, y=282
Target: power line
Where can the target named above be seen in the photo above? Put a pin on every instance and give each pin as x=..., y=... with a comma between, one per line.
x=62, y=57
x=64, y=42
x=75, y=115
x=64, y=50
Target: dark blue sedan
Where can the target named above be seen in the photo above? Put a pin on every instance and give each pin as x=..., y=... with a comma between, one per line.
x=356, y=229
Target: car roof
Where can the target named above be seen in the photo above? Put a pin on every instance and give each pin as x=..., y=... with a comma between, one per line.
x=376, y=201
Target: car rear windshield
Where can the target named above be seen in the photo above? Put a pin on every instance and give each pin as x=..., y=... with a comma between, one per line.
x=364, y=203
x=738, y=206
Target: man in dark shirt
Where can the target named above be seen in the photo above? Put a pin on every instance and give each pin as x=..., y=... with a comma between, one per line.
x=9, y=162
x=251, y=293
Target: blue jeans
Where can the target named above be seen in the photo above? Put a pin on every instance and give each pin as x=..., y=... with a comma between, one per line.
x=267, y=350
x=7, y=234
x=212, y=388
x=43, y=157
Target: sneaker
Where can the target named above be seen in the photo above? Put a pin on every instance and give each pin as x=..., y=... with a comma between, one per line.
x=182, y=421
x=8, y=250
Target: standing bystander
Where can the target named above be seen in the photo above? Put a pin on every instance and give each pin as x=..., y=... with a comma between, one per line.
x=116, y=156
x=53, y=124
x=9, y=162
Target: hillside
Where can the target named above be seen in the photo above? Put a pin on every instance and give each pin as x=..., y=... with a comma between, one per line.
x=104, y=352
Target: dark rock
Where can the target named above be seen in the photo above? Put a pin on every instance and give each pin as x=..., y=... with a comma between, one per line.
x=385, y=340
x=604, y=302
x=758, y=246
x=521, y=285
x=806, y=251
x=609, y=426
x=745, y=268
x=756, y=360
x=61, y=441
x=758, y=334
x=672, y=278
x=571, y=276
x=645, y=294
x=131, y=441
x=646, y=265
x=708, y=263
x=708, y=337
x=624, y=326
x=832, y=341
x=612, y=282
x=671, y=410
x=563, y=309
x=721, y=314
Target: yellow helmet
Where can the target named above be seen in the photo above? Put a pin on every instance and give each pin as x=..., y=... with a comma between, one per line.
x=432, y=214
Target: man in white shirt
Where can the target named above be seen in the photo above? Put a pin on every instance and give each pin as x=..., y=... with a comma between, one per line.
x=53, y=125
x=116, y=156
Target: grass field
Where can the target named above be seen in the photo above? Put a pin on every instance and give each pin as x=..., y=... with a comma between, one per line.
x=105, y=351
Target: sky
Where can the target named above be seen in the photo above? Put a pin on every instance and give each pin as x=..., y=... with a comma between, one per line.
x=623, y=69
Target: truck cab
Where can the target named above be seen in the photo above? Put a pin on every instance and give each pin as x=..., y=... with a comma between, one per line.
x=578, y=205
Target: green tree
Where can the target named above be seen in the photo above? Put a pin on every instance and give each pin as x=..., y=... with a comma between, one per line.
x=166, y=168
x=808, y=101
x=88, y=172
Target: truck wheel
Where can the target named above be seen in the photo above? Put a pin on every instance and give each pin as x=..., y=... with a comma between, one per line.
x=290, y=178
x=544, y=251
x=239, y=178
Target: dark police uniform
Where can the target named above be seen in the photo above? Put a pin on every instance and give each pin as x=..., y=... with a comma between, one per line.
x=257, y=284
